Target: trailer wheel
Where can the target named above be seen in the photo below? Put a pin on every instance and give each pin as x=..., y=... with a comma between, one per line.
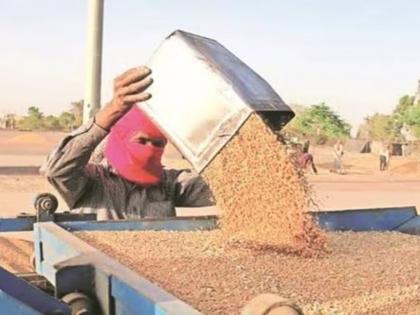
x=270, y=304
x=80, y=304
x=45, y=203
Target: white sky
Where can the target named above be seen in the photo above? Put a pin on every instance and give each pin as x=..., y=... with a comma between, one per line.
x=357, y=56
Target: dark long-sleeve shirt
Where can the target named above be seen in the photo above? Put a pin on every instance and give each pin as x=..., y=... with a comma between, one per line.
x=97, y=188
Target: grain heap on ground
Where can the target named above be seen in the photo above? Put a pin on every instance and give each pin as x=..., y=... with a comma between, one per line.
x=262, y=194
x=364, y=273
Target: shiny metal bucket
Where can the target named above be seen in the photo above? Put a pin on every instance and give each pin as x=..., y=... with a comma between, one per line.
x=202, y=94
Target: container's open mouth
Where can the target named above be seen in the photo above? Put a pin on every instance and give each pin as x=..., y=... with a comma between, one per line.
x=276, y=120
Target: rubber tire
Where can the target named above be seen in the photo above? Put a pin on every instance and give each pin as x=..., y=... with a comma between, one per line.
x=80, y=304
x=271, y=304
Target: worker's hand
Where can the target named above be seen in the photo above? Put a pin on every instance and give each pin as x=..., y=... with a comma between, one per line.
x=129, y=88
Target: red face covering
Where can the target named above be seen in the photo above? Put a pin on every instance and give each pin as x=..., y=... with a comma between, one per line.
x=139, y=163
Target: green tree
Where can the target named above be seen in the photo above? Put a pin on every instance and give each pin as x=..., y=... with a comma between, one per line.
x=34, y=112
x=412, y=119
x=379, y=127
x=67, y=121
x=403, y=106
x=52, y=123
x=321, y=122
x=407, y=114
x=77, y=111
x=389, y=127
x=33, y=121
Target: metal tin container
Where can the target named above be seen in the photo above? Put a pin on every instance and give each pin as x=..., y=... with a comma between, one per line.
x=202, y=94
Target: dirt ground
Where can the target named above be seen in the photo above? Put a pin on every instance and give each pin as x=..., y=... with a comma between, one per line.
x=363, y=185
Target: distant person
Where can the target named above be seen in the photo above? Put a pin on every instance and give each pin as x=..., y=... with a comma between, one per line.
x=338, y=157
x=384, y=157
x=305, y=159
x=305, y=148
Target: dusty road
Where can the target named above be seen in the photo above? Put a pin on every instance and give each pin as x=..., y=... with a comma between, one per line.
x=21, y=153
x=333, y=193
x=358, y=192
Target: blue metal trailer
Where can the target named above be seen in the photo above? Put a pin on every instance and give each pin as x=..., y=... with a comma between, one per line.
x=86, y=281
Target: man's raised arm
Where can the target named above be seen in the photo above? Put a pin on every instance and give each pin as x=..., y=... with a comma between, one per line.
x=67, y=167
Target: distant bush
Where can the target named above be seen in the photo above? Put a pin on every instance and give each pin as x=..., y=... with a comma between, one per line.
x=320, y=123
x=406, y=116
x=67, y=121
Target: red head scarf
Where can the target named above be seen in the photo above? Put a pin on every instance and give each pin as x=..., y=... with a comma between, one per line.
x=139, y=163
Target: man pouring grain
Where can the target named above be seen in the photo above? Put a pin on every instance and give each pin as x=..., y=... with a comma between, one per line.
x=130, y=182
